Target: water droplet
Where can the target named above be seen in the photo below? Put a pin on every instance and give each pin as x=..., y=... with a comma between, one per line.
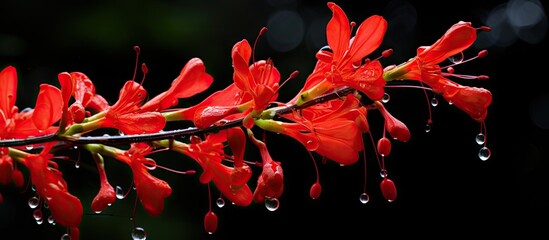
x=450, y=103
x=364, y=198
x=480, y=138
x=272, y=204
x=434, y=102
x=119, y=192
x=37, y=214
x=98, y=212
x=66, y=236
x=45, y=205
x=484, y=153
x=33, y=202
x=75, y=147
x=383, y=173
x=33, y=188
x=139, y=233
x=220, y=202
x=51, y=220
x=386, y=98
x=150, y=164
x=29, y=147
x=77, y=164
x=428, y=127
x=458, y=58
x=39, y=221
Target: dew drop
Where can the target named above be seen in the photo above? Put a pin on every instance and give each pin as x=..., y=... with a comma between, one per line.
x=51, y=220
x=139, y=233
x=458, y=58
x=119, y=192
x=66, y=236
x=364, y=198
x=450, y=103
x=428, y=127
x=98, y=212
x=39, y=221
x=484, y=153
x=383, y=173
x=272, y=204
x=37, y=214
x=33, y=202
x=29, y=147
x=77, y=164
x=480, y=138
x=434, y=102
x=220, y=202
x=386, y=98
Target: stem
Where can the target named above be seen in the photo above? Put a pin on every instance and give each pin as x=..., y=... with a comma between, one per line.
x=165, y=134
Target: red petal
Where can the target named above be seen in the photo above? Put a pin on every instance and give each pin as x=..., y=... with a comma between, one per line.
x=338, y=31
x=49, y=106
x=388, y=189
x=8, y=90
x=210, y=222
x=368, y=37
x=138, y=123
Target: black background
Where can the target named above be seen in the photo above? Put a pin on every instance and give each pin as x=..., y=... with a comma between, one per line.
x=443, y=187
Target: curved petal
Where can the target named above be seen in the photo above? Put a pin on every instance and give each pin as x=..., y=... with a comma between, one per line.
x=368, y=37
x=48, y=108
x=338, y=31
x=8, y=90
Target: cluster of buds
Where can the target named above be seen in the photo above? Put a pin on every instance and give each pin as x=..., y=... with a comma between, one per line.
x=328, y=116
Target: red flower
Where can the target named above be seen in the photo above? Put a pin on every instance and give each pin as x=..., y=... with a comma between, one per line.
x=27, y=123
x=106, y=195
x=125, y=114
x=345, y=56
x=270, y=183
x=150, y=190
x=333, y=129
x=65, y=208
x=193, y=79
x=424, y=67
x=209, y=154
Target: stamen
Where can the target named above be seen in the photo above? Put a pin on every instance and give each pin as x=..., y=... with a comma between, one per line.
x=292, y=76
x=137, y=52
x=261, y=32
x=484, y=29
x=176, y=171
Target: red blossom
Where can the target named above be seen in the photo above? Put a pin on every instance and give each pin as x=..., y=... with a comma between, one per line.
x=345, y=55
x=66, y=209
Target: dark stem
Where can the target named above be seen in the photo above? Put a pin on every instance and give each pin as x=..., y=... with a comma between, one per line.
x=122, y=139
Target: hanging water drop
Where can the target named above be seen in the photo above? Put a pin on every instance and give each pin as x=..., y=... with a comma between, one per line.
x=33, y=202
x=480, y=138
x=51, y=220
x=220, y=202
x=386, y=98
x=364, y=198
x=428, y=127
x=139, y=233
x=29, y=147
x=37, y=214
x=272, y=204
x=66, y=236
x=484, y=153
x=39, y=221
x=383, y=173
x=119, y=192
x=458, y=58
x=77, y=164
x=434, y=102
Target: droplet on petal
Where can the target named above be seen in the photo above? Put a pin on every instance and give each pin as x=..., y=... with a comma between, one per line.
x=272, y=204
x=315, y=191
x=480, y=138
x=139, y=233
x=37, y=214
x=383, y=173
x=210, y=222
x=388, y=189
x=33, y=202
x=220, y=202
x=386, y=98
x=434, y=102
x=364, y=198
x=484, y=153
x=119, y=192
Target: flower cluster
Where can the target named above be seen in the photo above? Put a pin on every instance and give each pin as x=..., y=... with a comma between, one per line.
x=328, y=116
